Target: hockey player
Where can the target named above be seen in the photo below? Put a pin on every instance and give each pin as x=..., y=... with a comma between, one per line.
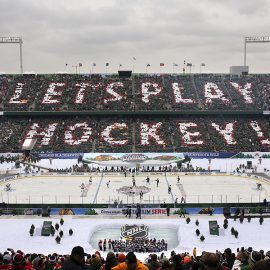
x=133, y=182
x=82, y=187
x=8, y=187
x=178, y=180
x=157, y=180
x=108, y=183
x=148, y=180
x=169, y=189
x=90, y=180
x=138, y=211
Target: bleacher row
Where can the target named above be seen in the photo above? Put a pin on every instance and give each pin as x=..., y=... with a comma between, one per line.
x=141, y=92
x=137, y=134
x=248, y=259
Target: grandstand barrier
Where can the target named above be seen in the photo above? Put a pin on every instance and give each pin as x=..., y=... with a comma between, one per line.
x=248, y=209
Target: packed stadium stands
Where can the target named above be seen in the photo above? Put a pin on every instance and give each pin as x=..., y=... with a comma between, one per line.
x=141, y=134
x=68, y=92
x=244, y=259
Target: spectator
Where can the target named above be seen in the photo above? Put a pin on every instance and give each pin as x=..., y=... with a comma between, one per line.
x=211, y=261
x=131, y=263
x=76, y=260
x=110, y=261
x=262, y=265
x=153, y=264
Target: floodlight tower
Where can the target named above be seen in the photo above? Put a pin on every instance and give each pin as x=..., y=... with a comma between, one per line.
x=14, y=40
x=253, y=40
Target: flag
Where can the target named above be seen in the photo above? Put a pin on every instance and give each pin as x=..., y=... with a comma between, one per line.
x=107, y=64
x=161, y=64
x=148, y=65
x=134, y=58
x=175, y=65
x=94, y=64
x=80, y=64
x=203, y=64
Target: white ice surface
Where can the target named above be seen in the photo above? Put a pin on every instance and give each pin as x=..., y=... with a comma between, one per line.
x=196, y=188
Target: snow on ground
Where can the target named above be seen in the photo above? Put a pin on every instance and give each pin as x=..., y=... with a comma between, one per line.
x=15, y=233
x=196, y=189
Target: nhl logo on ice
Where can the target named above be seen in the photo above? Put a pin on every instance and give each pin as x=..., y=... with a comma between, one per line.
x=134, y=231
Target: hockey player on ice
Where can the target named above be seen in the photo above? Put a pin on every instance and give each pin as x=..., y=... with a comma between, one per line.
x=8, y=187
x=82, y=187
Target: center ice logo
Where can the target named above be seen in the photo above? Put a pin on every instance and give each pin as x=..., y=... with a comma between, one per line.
x=135, y=231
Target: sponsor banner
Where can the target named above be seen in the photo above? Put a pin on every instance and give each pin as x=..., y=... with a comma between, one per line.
x=211, y=155
x=8, y=178
x=77, y=173
x=122, y=211
x=150, y=159
x=112, y=173
x=251, y=155
x=46, y=173
x=10, y=154
x=62, y=173
x=28, y=211
x=156, y=173
x=59, y=155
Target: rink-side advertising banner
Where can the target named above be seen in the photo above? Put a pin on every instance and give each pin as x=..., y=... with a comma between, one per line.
x=144, y=157
x=60, y=155
x=121, y=212
x=211, y=155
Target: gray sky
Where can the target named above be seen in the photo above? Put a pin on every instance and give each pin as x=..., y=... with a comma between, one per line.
x=56, y=32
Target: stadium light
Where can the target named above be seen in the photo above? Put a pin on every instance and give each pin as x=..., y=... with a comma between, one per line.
x=262, y=39
x=14, y=40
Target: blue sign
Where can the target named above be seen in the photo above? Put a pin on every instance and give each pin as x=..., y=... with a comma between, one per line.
x=60, y=155
x=199, y=155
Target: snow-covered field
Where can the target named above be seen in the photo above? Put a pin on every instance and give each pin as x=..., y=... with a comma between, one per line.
x=15, y=233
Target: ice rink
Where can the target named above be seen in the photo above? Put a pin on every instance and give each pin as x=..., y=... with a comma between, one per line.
x=104, y=189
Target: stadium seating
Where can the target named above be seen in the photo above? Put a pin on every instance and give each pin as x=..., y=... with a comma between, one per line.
x=142, y=92
x=244, y=259
x=137, y=134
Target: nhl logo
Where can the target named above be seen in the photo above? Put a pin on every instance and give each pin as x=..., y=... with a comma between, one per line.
x=134, y=231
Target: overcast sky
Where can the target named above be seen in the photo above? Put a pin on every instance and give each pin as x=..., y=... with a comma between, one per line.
x=56, y=32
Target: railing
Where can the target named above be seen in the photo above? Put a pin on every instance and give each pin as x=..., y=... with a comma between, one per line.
x=8, y=197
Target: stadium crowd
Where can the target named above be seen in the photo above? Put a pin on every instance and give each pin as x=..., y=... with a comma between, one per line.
x=141, y=134
x=245, y=259
x=63, y=92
